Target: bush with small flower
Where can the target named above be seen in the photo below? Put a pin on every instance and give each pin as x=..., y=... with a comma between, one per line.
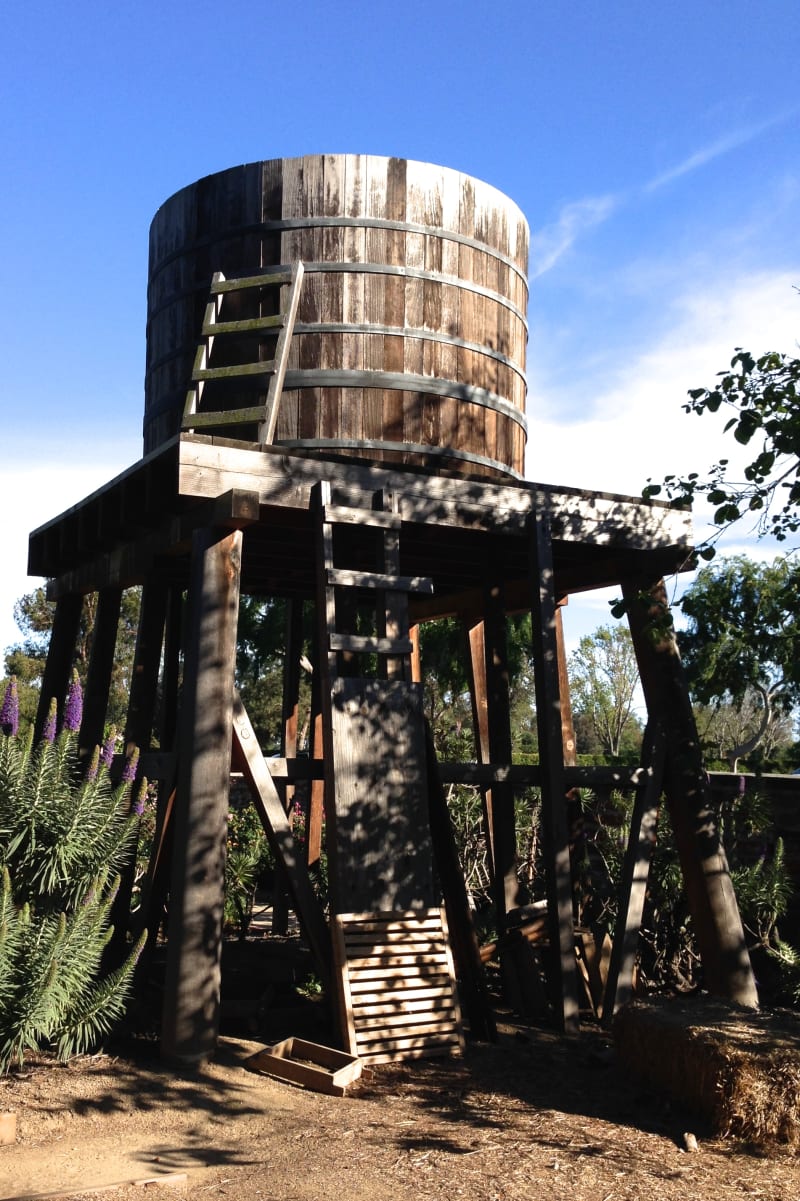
x=65, y=833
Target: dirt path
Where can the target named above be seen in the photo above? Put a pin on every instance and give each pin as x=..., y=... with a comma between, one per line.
x=530, y=1117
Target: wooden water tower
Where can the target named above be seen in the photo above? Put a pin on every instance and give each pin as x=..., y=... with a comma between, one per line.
x=335, y=414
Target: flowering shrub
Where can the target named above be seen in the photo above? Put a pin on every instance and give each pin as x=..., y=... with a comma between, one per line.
x=64, y=834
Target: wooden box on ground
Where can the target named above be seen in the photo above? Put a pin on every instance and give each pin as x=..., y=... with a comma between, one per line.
x=322, y=1069
x=738, y=1068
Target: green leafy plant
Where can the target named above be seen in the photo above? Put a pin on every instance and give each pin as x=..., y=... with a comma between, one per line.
x=64, y=833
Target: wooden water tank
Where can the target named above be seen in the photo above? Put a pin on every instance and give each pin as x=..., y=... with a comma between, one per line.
x=411, y=335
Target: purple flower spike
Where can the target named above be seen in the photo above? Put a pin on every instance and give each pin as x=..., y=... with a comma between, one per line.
x=94, y=763
x=138, y=808
x=9, y=714
x=49, y=731
x=129, y=774
x=107, y=753
x=73, y=709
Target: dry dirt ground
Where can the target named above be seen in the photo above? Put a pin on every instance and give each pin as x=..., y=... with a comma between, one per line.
x=532, y=1116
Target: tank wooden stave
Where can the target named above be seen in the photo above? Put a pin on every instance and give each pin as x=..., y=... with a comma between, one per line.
x=411, y=336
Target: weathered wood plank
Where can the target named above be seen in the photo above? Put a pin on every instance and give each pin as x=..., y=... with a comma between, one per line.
x=367, y=645
x=381, y=829
x=551, y=755
x=341, y=577
x=191, y=996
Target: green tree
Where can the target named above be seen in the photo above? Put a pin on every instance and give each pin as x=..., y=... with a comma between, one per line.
x=34, y=613
x=603, y=679
x=763, y=398
x=723, y=725
x=743, y=640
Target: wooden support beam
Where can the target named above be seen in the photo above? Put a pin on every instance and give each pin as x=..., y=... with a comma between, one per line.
x=293, y=648
x=488, y=654
x=279, y=833
x=635, y=871
x=60, y=658
x=146, y=665
x=170, y=683
x=476, y=667
x=712, y=901
x=192, y=987
x=551, y=761
x=466, y=951
x=101, y=666
x=138, y=733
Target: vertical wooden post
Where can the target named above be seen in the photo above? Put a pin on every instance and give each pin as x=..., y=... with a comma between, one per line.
x=466, y=951
x=551, y=760
x=192, y=990
x=478, y=688
x=491, y=708
x=167, y=726
x=567, y=725
x=291, y=685
x=60, y=655
x=101, y=665
x=138, y=733
x=293, y=646
x=712, y=901
x=146, y=664
x=316, y=792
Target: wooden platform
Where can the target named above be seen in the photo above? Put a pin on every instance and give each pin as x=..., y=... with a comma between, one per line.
x=142, y=521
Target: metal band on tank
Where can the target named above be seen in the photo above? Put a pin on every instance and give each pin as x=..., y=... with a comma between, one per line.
x=400, y=381
x=276, y=226
x=336, y=268
x=409, y=227
x=396, y=331
x=411, y=332
x=415, y=448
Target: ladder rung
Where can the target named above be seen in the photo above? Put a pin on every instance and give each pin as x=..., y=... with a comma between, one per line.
x=282, y=276
x=223, y=417
x=237, y=369
x=364, y=644
x=246, y=325
x=347, y=516
x=341, y=578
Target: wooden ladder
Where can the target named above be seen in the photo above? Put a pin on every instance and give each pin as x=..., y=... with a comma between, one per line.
x=393, y=965
x=265, y=415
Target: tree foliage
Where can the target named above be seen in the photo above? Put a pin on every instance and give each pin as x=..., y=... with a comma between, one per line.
x=603, y=679
x=763, y=398
x=34, y=614
x=743, y=638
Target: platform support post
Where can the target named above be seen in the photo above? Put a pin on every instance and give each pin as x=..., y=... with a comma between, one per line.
x=192, y=991
x=712, y=901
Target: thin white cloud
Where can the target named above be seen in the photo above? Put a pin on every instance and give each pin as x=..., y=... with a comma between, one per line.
x=636, y=427
x=49, y=486
x=707, y=154
x=574, y=220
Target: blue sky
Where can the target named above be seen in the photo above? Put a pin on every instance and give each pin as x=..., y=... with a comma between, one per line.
x=653, y=148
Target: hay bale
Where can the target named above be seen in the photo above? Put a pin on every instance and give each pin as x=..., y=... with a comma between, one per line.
x=737, y=1068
